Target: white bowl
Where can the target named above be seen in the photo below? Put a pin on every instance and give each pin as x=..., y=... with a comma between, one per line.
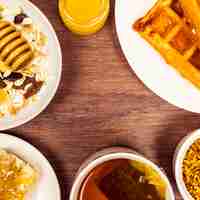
x=111, y=154
x=179, y=156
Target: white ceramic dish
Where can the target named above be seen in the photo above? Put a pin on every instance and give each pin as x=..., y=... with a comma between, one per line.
x=47, y=186
x=147, y=63
x=54, y=70
x=110, y=154
x=179, y=156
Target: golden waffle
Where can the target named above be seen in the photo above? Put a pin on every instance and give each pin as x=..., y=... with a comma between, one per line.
x=15, y=51
x=167, y=28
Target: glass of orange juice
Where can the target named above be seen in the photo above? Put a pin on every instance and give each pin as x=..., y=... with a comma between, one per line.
x=84, y=17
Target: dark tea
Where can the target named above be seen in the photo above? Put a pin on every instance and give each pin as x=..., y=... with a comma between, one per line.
x=123, y=179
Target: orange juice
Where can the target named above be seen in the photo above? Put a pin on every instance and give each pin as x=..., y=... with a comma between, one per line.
x=84, y=17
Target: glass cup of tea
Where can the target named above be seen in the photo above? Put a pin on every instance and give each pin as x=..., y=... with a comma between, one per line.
x=120, y=174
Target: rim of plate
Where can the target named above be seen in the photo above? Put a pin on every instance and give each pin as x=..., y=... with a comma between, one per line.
x=22, y=143
x=53, y=93
x=132, y=62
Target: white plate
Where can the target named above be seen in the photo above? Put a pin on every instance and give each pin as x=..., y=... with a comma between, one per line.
x=55, y=67
x=47, y=187
x=147, y=63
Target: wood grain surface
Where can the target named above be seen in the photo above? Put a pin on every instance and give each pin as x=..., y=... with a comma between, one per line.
x=101, y=103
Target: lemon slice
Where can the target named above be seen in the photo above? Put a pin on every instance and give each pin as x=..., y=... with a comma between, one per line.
x=152, y=176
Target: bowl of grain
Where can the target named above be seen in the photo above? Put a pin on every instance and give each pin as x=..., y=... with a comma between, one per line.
x=187, y=166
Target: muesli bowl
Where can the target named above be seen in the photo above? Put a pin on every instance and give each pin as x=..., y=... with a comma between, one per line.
x=184, y=151
x=111, y=154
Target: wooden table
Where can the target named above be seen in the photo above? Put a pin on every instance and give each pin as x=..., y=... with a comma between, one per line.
x=101, y=103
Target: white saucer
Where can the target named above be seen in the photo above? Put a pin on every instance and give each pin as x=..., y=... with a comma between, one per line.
x=48, y=186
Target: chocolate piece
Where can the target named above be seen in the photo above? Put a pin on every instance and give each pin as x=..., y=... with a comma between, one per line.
x=33, y=89
x=2, y=84
x=14, y=76
x=19, y=18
